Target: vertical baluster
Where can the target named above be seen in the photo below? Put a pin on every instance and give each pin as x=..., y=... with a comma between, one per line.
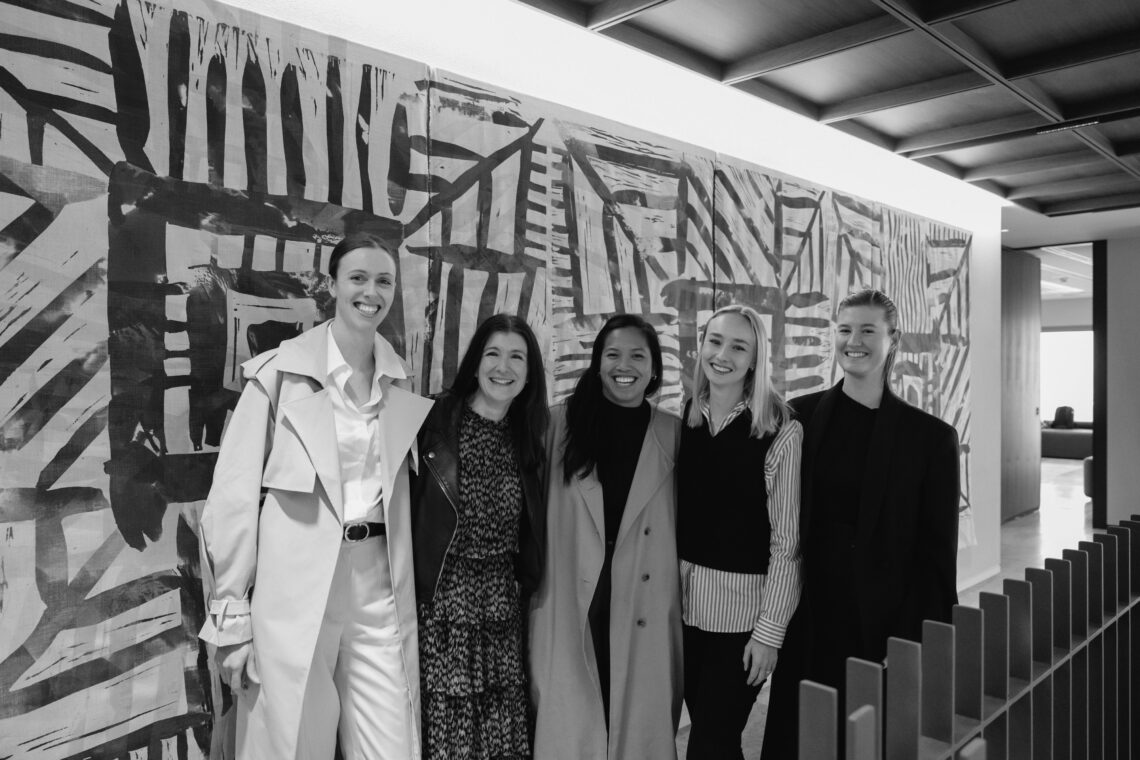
x=818, y=721
x=969, y=656
x=1124, y=561
x=1079, y=566
x=1095, y=554
x=904, y=699
x=1111, y=644
x=862, y=726
x=865, y=689
x=1042, y=582
x=995, y=670
x=1063, y=643
x=938, y=681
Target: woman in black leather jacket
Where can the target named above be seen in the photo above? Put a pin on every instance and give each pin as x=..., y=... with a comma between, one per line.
x=478, y=521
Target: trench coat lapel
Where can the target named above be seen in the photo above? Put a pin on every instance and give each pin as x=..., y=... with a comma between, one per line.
x=591, y=490
x=881, y=449
x=400, y=415
x=647, y=476
x=311, y=416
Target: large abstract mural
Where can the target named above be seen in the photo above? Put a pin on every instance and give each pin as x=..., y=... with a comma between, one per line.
x=172, y=179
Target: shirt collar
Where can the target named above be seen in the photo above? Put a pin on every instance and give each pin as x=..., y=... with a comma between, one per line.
x=387, y=365
x=740, y=408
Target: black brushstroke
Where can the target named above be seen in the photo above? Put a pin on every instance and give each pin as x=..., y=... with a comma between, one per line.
x=292, y=133
x=83, y=437
x=431, y=315
x=363, y=123
x=24, y=342
x=613, y=261
x=216, y=85
x=54, y=50
x=399, y=161
x=177, y=89
x=334, y=129
x=256, y=129
x=38, y=116
x=442, y=200
x=63, y=9
x=133, y=123
x=50, y=398
x=452, y=318
x=25, y=228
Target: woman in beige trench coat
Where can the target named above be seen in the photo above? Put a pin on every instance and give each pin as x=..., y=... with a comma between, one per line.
x=274, y=567
x=605, y=642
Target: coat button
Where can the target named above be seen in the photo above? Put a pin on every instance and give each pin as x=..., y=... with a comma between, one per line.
x=647, y=530
x=641, y=622
x=645, y=577
x=431, y=455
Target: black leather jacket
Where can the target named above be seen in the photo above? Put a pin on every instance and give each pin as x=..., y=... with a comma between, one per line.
x=435, y=499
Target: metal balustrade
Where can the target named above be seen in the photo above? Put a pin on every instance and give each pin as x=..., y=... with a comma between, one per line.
x=1047, y=670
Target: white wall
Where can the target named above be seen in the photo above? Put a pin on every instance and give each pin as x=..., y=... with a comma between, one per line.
x=1122, y=423
x=518, y=48
x=1066, y=312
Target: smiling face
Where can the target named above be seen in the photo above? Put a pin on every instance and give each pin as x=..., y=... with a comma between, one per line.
x=502, y=370
x=364, y=287
x=863, y=341
x=728, y=351
x=626, y=366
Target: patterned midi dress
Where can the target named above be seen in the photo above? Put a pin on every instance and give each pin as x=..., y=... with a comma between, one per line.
x=474, y=691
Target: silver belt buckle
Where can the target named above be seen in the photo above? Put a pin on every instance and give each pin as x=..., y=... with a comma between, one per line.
x=356, y=532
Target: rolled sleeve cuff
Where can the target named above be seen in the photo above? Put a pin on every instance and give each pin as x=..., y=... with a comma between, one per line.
x=769, y=633
x=228, y=622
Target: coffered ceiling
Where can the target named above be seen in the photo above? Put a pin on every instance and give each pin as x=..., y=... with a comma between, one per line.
x=1037, y=101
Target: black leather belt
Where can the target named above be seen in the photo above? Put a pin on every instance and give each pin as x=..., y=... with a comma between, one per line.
x=356, y=532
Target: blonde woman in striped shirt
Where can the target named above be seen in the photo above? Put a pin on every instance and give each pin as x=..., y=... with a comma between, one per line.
x=737, y=534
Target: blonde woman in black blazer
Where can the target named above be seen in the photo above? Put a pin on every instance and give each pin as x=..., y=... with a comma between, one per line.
x=879, y=517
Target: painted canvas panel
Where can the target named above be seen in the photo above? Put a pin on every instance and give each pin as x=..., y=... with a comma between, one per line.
x=600, y=218
x=172, y=178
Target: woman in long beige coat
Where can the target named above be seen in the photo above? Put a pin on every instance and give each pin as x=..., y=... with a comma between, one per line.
x=313, y=610
x=606, y=623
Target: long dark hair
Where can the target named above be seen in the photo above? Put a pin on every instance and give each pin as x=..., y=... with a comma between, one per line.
x=528, y=416
x=584, y=413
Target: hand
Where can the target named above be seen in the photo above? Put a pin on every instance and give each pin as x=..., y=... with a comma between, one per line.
x=759, y=661
x=232, y=660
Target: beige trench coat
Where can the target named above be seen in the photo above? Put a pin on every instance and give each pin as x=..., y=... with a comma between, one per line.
x=645, y=612
x=278, y=564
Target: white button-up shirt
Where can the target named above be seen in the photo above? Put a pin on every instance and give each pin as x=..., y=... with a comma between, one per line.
x=358, y=435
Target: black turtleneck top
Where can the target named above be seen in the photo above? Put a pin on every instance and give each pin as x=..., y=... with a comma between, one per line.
x=618, y=452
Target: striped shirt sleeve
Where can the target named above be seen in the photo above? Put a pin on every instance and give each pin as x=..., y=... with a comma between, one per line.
x=784, y=579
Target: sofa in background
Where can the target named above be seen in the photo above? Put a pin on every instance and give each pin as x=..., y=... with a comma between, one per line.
x=1067, y=443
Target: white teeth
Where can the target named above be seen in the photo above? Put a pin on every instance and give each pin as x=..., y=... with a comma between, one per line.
x=624, y=380
x=721, y=370
x=369, y=309
x=499, y=381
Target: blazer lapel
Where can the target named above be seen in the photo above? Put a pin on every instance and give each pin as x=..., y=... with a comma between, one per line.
x=881, y=449
x=400, y=416
x=652, y=468
x=312, y=418
x=813, y=437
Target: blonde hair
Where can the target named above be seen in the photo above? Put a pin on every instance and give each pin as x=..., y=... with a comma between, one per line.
x=767, y=405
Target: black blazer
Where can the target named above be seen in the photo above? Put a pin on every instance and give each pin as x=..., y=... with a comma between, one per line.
x=435, y=504
x=906, y=537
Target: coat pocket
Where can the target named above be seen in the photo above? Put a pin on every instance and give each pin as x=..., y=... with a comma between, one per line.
x=288, y=467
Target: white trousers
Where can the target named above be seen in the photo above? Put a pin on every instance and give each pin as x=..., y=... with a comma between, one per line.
x=357, y=687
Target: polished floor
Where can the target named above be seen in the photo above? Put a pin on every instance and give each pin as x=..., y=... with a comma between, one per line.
x=1063, y=519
